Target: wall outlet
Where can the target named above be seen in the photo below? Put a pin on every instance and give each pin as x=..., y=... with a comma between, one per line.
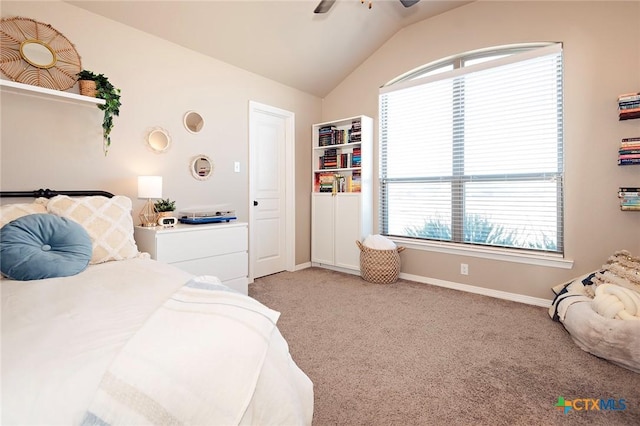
x=236, y=166
x=464, y=269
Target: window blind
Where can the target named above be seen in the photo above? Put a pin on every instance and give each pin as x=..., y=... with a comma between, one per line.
x=475, y=155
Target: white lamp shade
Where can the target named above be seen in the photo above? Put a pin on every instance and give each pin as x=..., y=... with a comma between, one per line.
x=149, y=186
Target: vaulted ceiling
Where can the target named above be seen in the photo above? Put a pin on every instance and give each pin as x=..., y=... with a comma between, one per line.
x=281, y=40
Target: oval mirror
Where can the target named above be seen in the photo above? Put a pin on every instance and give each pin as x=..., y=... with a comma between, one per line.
x=38, y=53
x=193, y=121
x=158, y=139
x=201, y=167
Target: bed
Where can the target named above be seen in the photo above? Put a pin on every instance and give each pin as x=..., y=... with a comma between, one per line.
x=128, y=340
x=601, y=310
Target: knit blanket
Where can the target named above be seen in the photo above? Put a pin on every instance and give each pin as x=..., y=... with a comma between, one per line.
x=601, y=310
x=196, y=361
x=613, y=291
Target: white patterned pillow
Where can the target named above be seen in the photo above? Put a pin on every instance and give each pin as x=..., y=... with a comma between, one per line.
x=108, y=222
x=9, y=212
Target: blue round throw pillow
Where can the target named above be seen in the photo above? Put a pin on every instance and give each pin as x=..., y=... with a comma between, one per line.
x=39, y=246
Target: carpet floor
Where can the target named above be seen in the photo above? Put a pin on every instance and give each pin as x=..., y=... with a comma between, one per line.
x=415, y=354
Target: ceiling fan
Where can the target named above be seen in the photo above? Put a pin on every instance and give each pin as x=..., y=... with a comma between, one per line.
x=325, y=5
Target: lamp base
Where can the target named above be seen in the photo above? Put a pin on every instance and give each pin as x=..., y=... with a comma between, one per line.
x=148, y=215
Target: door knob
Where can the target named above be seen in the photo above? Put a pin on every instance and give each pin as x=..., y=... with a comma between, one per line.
x=255, y=203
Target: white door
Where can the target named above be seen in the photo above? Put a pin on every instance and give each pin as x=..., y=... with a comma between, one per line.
x=271, y=210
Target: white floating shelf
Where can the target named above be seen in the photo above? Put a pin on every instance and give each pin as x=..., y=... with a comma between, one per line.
x=16, y=87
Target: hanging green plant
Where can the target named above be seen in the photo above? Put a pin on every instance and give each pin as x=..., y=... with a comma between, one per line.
x=104, y=90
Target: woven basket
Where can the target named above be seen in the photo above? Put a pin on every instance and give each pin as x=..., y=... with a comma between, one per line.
x=87, y=88
x=379, y=266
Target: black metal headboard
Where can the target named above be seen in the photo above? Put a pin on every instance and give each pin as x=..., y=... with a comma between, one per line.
x=48, y=193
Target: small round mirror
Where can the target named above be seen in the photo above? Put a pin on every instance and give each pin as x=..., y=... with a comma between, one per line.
x=201, y=167
x=193, y=122
x=37, y=53
x=158, y=139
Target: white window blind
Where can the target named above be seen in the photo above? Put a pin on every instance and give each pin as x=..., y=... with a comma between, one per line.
x=475, y=155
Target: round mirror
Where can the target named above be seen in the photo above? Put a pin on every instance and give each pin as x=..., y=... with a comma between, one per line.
x=158, y=139
x=193, y=121
x=38, y=53
x=201, y=167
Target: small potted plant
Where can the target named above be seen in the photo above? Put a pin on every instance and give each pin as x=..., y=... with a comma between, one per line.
x=164, y=207
x=103, y=90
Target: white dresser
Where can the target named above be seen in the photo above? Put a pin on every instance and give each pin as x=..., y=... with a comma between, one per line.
x=218, y=249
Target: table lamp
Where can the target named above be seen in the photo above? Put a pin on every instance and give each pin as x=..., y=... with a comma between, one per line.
x=149, y=187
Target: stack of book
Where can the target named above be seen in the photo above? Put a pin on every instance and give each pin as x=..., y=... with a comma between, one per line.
x=355, y=183
x=355, y=133
x=330, y=135
x=629, y=152
x=356, y=157
x=325, y=182
x=629, y=106
x=330, y=159
x=325, y=135
x=629, y=198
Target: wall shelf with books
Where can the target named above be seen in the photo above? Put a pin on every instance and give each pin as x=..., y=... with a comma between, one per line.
x=629, y=106
x=629, y=152
x=629, y=198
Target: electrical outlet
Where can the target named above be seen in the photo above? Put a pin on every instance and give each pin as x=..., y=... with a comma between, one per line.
x=236, y=166
x=464, y=269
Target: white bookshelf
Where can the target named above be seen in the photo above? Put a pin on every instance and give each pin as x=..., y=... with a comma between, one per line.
x=345, y=214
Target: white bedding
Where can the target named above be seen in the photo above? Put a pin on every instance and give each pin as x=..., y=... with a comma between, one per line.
x=60, y=336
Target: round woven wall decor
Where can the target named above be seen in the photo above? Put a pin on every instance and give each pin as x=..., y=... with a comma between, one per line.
x=35, y=53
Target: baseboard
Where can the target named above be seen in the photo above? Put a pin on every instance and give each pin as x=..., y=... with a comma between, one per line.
x=302, y=266
x=521, y=298
x=337, y=268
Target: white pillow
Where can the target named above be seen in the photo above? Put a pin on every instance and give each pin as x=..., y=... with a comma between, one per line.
x=9, y=212
x=108, y=222
x=379, y=242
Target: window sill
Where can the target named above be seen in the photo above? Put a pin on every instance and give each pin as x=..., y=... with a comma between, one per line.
x=505, y=255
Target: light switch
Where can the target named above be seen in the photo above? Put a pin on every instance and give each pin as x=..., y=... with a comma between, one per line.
x=236, y=166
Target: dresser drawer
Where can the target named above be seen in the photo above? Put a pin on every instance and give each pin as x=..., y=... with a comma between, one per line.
x=226, y=267
x=172, y=247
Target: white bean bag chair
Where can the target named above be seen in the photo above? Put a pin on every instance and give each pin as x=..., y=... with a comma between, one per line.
x=601, y=310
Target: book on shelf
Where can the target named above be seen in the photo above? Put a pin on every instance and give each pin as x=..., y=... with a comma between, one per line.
x=631, y=140
x=624, y=156
x=629, y=189
x=628, y=115
x=630, y=208
x=626, y=106
x=629, y=97
x=628, y=161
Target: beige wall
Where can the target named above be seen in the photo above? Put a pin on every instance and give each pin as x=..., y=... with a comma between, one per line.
x=57, y=144
x=602, y=59
x=49, y=143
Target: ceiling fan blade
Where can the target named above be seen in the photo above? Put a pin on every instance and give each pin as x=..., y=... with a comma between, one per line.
x=408, y=3
x=324, y=6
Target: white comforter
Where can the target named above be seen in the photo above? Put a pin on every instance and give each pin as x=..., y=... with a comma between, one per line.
x=60, y=336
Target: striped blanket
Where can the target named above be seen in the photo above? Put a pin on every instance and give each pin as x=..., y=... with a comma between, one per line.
x=196, y=360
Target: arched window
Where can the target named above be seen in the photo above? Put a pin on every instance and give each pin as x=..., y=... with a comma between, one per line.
x=471, y=150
